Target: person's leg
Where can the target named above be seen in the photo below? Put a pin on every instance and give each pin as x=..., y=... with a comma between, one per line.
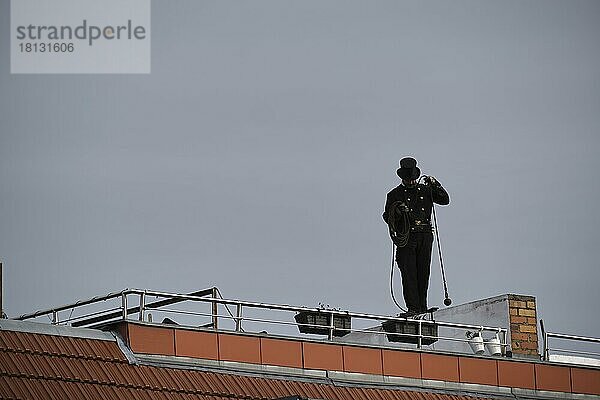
x=407, y=262
x=423, y=268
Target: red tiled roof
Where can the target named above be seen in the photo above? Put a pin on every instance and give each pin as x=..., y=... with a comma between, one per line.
x=39, y=366
x=23, y=342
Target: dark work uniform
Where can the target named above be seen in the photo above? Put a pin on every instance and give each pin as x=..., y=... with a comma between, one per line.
x=414, y=259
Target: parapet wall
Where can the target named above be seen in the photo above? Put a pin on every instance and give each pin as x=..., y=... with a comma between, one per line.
x=418, y=365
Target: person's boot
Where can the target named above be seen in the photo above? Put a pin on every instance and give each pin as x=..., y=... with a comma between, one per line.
x=408, y=314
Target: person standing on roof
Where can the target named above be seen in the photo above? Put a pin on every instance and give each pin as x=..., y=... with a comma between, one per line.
x=410, y=205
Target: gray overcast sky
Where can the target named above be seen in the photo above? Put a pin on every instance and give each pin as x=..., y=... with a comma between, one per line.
x=257, y=154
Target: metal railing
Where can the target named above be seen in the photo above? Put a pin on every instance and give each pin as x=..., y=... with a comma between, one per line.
x=212, y=297
x=113, y=314
x=546, y=336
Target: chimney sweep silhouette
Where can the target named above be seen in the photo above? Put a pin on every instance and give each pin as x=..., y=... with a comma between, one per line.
x=408, y=210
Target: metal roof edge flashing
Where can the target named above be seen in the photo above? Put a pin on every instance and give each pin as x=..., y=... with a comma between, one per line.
x=351, y=379
x=124, y=348
x=233, y=368
x=524, y=394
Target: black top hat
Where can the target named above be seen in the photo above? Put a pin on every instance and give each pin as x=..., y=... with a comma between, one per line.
x=408, y=170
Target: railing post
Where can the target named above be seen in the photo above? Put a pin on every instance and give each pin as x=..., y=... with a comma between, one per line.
x=545, y=355
x=331, y=327
x=124, y=305
x=142, y=305
x=215, y=309
x=1, y=293
x=54, y=318
x=238, y=318
x=420, y=333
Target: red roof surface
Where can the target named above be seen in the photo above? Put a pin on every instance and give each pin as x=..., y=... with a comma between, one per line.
x=40, y=366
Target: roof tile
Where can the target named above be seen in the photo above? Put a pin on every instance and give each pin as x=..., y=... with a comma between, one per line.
x=60, y=345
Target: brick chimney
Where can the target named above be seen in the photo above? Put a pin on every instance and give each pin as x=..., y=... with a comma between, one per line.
x=514, y=312
x=523, y=325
